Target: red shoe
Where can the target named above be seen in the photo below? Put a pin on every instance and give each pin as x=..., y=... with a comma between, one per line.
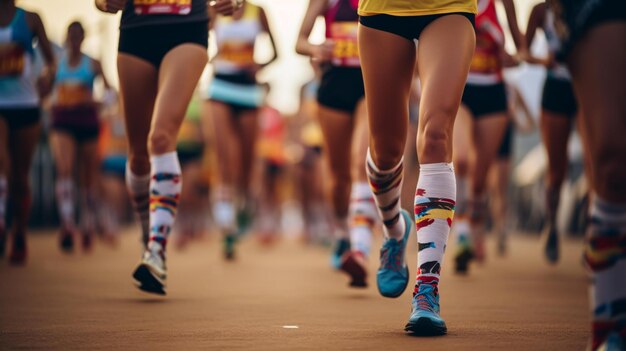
x=354, y=264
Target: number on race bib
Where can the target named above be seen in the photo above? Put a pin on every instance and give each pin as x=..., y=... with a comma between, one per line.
x=162, y=7
x=346, y=50
x=11, y=60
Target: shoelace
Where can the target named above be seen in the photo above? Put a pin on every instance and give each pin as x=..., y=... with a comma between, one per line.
x=391, y=257
x=425, y=300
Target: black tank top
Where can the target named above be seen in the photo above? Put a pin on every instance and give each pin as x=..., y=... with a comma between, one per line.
x=131, y=18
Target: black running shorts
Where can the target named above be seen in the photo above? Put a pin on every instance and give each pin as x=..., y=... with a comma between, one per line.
x=558, y=97
x=341, y=88
x=484, y=100
x=409, y=27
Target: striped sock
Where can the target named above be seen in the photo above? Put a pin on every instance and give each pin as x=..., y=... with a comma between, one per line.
x=435, y=198
x=139, y=190
x=605, y=256
x=363, y=215
x=165, y=187
x=386, y=186
x=65, y=200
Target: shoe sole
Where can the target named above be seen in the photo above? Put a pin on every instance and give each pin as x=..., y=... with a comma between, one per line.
x=424, y=327
x=355, y=271
x=407, y=221
x=146, y=281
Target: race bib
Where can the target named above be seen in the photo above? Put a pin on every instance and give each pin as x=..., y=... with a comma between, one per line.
x=238, y=53
x=71, y=94
x=346, y=51
x=11, y=60
x=162, y=7
x=486, y=59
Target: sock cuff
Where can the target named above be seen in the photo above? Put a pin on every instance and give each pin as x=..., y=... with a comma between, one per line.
x=371, y=164
x=167, y=162
x=361, y=190
x=436, y=168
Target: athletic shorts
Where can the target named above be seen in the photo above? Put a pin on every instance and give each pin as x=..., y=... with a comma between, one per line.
x=114, y=165
x=22, y=117
x=558, y=97
x=577, y=17
x=341, y=88
x=506, y=147
x=409, y=27
x=80, y=122
x=239, y=91
x=189, y=152
x=152, y=42
x=483, y=100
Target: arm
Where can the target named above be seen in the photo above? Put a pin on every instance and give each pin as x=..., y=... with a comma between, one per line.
x=110, y=6
x=97, y=68
x=303, y=46
x=266, y=28
x=536, y=19
x=511, y=17
x=48, y=73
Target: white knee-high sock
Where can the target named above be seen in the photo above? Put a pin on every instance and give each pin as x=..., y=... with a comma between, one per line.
x=435, y=200
x=139, y=190
x=65, y=200
x=386, y=186
x=363, y=215
x=165, y=187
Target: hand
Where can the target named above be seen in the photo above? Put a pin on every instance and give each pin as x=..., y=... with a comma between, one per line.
x=110, y=6
x=226, y=7
x=324, y=52
x=45, y=82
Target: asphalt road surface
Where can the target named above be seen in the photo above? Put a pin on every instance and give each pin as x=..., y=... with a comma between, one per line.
x=284, y=297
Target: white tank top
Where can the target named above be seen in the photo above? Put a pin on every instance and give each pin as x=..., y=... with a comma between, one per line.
x=17, y=73
x=235, y=41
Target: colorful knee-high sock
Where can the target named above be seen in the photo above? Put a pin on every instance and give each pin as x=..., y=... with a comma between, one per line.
x=139, y=190
x=605, y=256
x=165, y=188
x=65, y=201
x=363, y=215
x=435, y=200
x=4, y=194
x=386, y=186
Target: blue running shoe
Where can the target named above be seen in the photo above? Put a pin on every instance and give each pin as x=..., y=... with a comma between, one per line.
x=393, y=275
x=425, y=319
x=341, y=247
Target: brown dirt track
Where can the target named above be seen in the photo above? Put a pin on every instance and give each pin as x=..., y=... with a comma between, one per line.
x=88, y=302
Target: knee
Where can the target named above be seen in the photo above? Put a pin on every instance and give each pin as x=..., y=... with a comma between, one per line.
x=436, y=135
x=161, y=141
x=610, y=171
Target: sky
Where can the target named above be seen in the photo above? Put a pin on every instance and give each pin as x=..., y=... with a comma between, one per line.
x=286, y=75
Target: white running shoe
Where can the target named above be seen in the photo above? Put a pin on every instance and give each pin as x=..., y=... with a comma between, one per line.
x=151, y=273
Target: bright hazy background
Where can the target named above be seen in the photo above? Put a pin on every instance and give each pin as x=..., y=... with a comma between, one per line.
x=286, y=75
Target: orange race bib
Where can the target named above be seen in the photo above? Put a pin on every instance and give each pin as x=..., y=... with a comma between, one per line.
x=162, y=7
x=346, y=51
x=70, y=95
x=11, y=60
x=238, y=53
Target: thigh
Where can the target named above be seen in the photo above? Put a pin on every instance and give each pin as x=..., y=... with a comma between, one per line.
x=387, y=63
x=445, y=51
x=63, y=147
x=90, y=162
x=248, y=126
x=138, y=89
x=337, y=127
x=23, y=142
x=178, y=76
